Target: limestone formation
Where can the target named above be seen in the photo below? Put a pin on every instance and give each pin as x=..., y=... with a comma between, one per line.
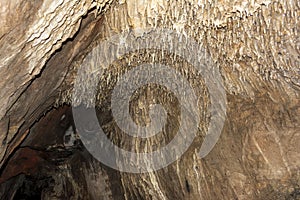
x=254, y=45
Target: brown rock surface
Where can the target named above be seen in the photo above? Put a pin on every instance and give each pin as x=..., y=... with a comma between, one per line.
x=255, y=46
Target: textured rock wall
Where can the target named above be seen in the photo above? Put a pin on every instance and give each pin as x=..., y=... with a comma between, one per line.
x=254, y=44
x=30, y=33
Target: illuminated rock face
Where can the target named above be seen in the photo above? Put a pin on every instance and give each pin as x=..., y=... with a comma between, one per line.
x=254, y=46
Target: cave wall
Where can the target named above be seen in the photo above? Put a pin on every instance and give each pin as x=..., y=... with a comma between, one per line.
x=255, y=46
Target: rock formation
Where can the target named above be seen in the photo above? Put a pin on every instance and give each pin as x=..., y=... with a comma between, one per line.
x=254, y=45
